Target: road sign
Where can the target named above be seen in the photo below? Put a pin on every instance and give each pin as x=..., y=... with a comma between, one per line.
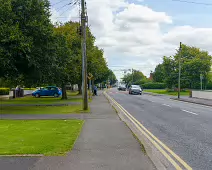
x=90, y=76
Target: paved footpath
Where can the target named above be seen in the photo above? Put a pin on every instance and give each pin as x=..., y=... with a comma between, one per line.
x=105, y=143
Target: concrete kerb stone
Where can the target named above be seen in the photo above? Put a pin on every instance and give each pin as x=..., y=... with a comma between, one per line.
x=153, y=153
x=193, y=102
x=153, y=94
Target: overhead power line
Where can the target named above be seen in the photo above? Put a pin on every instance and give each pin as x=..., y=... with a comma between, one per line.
x=192, y=2
x=72, y=5
x=58, y=2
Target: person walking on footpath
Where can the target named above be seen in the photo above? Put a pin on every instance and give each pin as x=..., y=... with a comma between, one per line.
x=95, y=91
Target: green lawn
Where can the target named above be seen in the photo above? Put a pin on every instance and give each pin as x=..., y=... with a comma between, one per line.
x=41, y=109
x=72, y=93
x=186, y=93
x=47, y=137
x=41, y=100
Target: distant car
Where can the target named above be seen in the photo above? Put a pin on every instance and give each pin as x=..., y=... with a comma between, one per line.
x=135, y=89
x=47, y=91
x=122, y=88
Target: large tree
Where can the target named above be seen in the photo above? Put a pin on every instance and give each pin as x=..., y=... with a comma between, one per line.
x=158, y=74
x=97, y=65
x=26, y=38
x=136, y=77
x=194, y=62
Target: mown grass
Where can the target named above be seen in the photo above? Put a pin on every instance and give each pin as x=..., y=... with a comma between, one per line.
x=47, y=137
x=41, y=100
x=42, y=109
x=163, y=91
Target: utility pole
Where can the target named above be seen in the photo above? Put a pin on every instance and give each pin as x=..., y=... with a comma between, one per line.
x=179, y=70
x=84, y=57
x=132, y=75
x=201, y=78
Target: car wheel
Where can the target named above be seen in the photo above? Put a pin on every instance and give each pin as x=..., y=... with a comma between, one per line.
x=56, y=95
x=37, y=95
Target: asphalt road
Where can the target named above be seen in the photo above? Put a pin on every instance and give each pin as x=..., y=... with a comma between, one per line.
x=184, y=127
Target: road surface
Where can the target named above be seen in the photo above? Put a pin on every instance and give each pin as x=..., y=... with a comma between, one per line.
x=184, y=127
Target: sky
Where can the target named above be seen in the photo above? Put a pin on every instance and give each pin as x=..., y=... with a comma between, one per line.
x=138, y=33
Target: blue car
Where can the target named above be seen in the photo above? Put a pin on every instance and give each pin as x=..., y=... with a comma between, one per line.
x=47, y=91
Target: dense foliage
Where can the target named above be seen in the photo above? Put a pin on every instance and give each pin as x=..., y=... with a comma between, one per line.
x=154, y=85
x=34, y=52
x=136, y=77
x=194, y=62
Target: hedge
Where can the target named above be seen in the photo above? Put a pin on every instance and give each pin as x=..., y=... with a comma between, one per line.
x=29, y=88
x=4, y=91
x=154, y=86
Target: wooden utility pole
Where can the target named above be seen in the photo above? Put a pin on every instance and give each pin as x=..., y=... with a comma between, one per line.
x=179, y=73
x=84, y=57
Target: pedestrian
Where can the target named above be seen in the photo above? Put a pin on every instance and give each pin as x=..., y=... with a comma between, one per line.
x=18, y=90
x=95, y=91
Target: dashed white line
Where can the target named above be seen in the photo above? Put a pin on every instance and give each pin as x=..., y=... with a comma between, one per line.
x=190, y=112
x=166, y=105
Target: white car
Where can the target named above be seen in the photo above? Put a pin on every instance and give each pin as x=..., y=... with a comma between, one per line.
x=135, y=89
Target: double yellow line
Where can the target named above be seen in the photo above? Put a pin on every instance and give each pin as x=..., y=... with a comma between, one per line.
x=153, y=139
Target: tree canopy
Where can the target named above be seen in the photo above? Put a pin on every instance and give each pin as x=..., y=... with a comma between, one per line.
x=136, y=77
x=194, y=62
x=33, y=51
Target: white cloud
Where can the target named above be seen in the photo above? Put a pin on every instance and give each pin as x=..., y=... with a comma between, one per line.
x=132, y=35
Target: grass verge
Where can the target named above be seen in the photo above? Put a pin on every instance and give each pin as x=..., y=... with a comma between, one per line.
x=41, y=100
x=42, y=109
x=47, y=137
x=186, y=93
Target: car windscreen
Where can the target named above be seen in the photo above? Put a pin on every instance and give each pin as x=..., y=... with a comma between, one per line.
x=136, y=86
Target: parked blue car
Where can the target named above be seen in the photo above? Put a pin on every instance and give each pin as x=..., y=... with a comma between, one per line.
x=47, y=91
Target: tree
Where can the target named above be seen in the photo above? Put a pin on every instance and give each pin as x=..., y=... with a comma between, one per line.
x=72, y=64
x=158, y=74
x=193, y=63
x=136, y=77
x=26, y=39
x=63, y=68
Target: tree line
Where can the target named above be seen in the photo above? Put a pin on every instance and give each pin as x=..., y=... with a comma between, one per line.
x=135, y=77
x=195, y=63
x=35, y=52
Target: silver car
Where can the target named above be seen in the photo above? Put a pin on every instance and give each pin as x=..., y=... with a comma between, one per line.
x=135, y=89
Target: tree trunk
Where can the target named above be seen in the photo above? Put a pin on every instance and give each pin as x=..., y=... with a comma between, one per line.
x=64, y=94
x=80, y=88
x=92, y=87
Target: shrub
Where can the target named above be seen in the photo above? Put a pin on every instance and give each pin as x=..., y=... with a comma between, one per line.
x=154, y=86
x=209, y=86
x=4, y=91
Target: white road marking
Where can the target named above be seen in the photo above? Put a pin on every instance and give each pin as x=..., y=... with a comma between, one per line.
x=166, y=105
x=190, y=112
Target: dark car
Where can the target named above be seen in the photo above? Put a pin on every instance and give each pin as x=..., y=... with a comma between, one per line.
x=47, y=91
x=135, y=89
x=122, y=88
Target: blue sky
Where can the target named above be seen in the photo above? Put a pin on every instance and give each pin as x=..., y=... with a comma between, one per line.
x=184, y=13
